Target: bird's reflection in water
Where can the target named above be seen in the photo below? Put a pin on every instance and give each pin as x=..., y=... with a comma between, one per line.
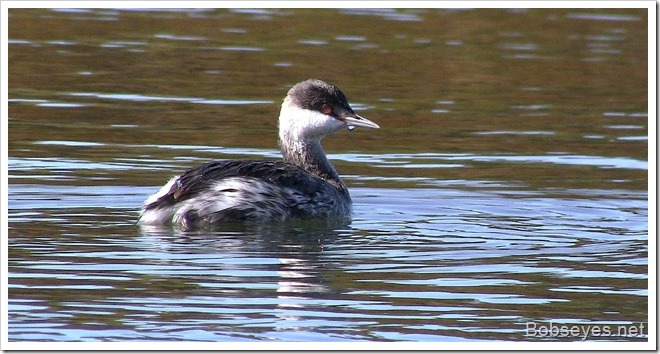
x=252, y=260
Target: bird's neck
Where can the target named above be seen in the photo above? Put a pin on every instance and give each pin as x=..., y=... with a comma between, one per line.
x=309, y=156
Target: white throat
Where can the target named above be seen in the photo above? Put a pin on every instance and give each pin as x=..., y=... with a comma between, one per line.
x=303, y=125
x=300, y=132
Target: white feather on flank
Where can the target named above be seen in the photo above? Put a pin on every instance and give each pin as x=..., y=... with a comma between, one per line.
x=163, y=190
x=240, y=193
x=232, y=192
x=156, y=216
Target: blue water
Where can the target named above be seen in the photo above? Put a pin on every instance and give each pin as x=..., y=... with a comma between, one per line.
x=433, y=261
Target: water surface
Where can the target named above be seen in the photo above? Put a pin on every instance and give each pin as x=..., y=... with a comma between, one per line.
x=508, y=184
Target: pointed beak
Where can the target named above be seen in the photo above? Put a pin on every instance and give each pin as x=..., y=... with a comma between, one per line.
x=358, y=121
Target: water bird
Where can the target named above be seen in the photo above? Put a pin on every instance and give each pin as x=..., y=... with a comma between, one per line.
x=303, y=186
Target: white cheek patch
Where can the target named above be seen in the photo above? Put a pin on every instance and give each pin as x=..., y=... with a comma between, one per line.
x=305, y=125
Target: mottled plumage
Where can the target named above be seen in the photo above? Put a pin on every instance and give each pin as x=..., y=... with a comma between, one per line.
x=304, y=186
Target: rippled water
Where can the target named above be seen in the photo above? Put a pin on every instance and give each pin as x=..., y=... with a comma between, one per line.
x=489, y=200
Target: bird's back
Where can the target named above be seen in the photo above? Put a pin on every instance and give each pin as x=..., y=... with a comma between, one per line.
x=237, y=190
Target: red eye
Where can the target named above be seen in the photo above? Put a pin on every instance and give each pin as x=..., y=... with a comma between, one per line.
x=326, y=109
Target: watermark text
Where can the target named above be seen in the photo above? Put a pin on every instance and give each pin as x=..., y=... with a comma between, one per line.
x=585, y=331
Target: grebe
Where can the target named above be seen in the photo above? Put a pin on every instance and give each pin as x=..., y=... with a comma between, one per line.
x=304, y=186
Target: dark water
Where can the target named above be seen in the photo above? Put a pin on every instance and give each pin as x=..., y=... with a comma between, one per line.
x=507, y=188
